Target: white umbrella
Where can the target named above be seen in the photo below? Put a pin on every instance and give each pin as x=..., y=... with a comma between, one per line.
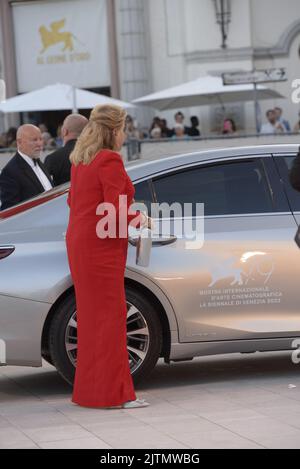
x=204, y=91
x=57, y=97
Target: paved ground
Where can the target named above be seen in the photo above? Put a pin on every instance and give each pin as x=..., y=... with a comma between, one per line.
x=250, y=401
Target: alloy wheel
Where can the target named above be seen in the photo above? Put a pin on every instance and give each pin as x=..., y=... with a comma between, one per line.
x=138, y=338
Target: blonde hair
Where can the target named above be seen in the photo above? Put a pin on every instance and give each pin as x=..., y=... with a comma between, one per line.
x=98, y=133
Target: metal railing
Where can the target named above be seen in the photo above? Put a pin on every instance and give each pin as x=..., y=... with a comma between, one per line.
x=150, y=148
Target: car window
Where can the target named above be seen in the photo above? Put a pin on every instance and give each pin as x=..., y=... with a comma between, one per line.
x=228, y=188
x=143, y=194
x=285, y=164
x=40, y=199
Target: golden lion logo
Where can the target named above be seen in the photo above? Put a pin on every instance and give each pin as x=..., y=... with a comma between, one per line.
x=55, y=36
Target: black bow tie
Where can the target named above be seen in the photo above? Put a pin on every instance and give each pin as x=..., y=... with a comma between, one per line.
x=36, y=161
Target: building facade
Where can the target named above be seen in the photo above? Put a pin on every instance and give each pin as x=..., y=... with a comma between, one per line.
x=185, y=43
x=129, y=48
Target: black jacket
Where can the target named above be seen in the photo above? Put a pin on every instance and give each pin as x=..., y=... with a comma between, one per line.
x=295, y=173
x=18, y=182
x=58, y=163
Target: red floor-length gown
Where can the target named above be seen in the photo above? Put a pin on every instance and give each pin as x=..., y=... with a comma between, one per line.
x=97, y=266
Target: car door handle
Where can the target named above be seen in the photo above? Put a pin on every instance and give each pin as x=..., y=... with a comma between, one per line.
x=164, y=241
x=155, y=242
x=133, y=241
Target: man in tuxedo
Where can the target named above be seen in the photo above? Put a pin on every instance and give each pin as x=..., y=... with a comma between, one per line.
x=58, y=163
x=24, y=176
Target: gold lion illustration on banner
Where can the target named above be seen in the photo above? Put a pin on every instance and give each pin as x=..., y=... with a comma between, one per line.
x=55, y=36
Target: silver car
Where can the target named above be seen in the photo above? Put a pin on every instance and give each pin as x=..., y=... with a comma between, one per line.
x=239, y=292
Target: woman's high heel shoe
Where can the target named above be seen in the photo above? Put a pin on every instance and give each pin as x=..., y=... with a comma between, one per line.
x=135, y=404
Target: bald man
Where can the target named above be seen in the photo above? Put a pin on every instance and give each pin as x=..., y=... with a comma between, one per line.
x=24, y=176
x=58, y=163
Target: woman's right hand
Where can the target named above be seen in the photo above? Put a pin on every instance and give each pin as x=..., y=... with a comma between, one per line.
x=151, y=224
x=147, y=222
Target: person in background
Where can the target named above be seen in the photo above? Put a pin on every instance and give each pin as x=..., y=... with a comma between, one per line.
x=281, y=120
x=229, y=127
x=180, y=132
x=43, y=128
x=11, y=137
x=297, y=126
x=156, y=133
x=194, y=129
x=3, y=140
x=58, y=163
x=165, y=131
x=155, y=123
x=58, y=139
x=272, y=126
x=48, y=140
x=133, y=137
x=25, y=176
x=131, y=130
x=179, y=119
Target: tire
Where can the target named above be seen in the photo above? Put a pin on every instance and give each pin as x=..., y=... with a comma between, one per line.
x=59, y=323
x=47, y=358
x=151, y=318
x=143, y=349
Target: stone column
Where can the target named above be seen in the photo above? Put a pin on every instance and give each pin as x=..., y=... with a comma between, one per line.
x=8, y=63
x=133, y=52
x=113, y=49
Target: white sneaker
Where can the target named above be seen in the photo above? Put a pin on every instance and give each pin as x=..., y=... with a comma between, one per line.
x=135, y=404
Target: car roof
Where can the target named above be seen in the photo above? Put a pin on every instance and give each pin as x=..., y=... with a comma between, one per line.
x=141, y=169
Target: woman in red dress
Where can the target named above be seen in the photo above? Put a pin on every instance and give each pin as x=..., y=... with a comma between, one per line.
x=97, y=264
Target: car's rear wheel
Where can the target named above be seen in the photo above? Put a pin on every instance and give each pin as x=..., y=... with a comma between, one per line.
x=48, y=359
x=144, y=336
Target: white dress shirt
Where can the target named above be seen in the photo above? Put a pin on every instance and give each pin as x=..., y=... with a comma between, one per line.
x=38, y=172
x=269, y=128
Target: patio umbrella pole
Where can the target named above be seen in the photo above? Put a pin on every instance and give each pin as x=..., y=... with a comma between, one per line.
x=256, y=109
x=75, y=110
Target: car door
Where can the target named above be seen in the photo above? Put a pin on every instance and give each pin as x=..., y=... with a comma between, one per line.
x=241, y=283
x=284, y=163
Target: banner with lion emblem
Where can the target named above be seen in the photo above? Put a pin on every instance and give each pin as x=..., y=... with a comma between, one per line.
x=61, y=41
